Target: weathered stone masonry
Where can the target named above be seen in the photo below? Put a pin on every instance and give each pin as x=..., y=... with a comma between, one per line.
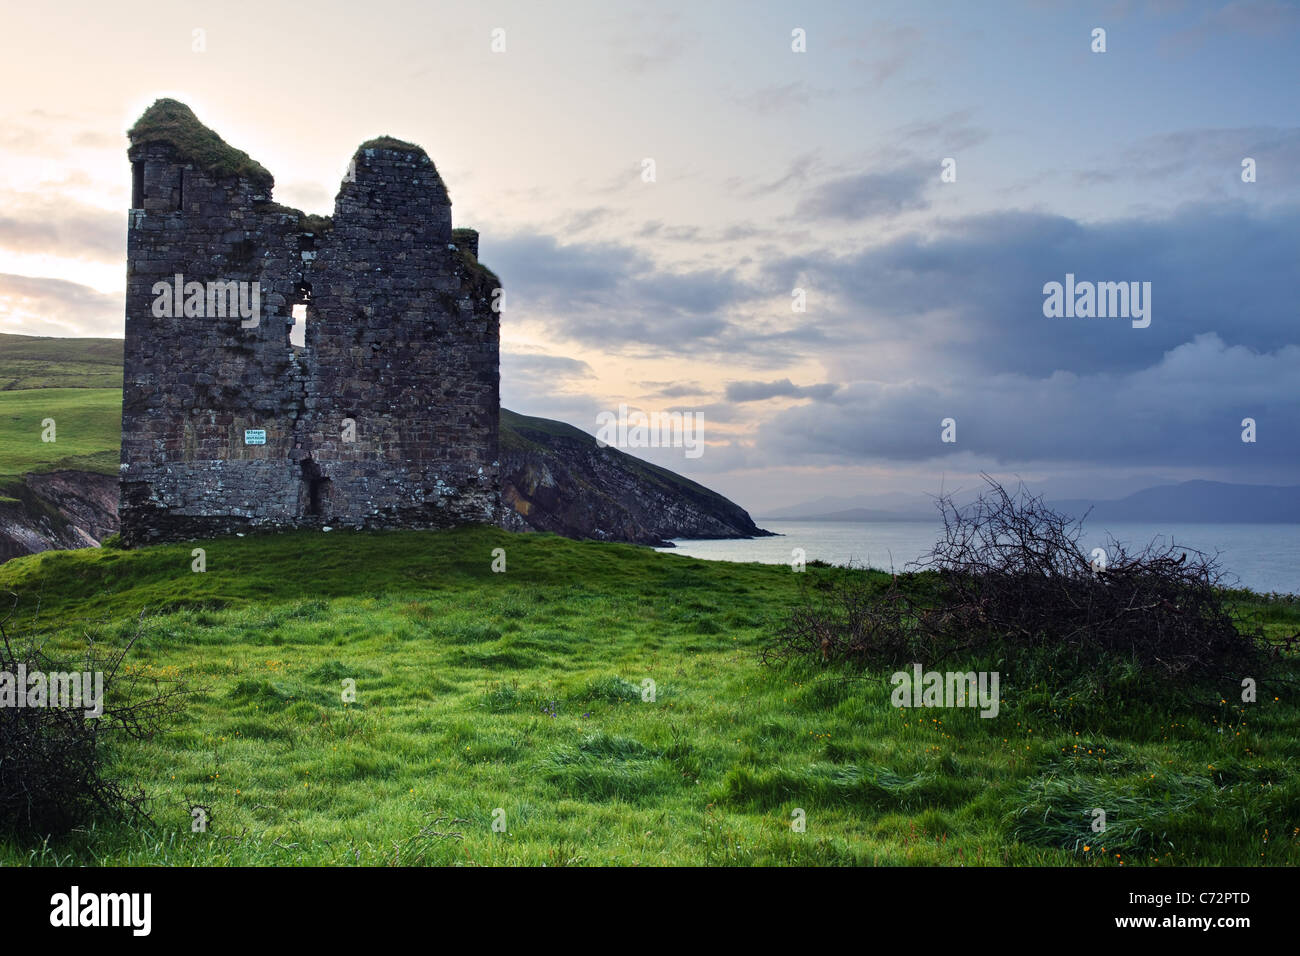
x=401, y=339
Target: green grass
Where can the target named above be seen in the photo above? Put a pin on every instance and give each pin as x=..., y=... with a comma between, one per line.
x=393, y=143
x=522, y=692
x=87, y=430
x=170, y=121
x=31, y=361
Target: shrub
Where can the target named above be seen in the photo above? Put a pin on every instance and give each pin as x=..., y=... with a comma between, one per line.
x=1009, y=574
x=52, y=775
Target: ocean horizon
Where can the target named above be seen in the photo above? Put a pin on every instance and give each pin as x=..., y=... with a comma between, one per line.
x=1262, y=557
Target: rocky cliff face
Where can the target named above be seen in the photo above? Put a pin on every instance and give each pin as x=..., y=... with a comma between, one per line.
x=59, y=509
x=554, y=477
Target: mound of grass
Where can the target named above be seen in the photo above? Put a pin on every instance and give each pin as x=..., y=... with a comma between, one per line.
x=170, y=121
x=319, y=225
x=484, y=279
x=392, y=142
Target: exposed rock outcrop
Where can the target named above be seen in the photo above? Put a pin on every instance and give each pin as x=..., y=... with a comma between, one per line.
x=56, y=510
x=554, y=477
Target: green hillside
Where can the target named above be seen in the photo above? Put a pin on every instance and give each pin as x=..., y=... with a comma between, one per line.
x=521, y=693
x=29, y=361
x=86, y=434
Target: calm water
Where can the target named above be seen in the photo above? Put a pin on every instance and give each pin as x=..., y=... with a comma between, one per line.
x=1263, y=557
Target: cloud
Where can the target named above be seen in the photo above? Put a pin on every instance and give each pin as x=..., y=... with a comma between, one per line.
x=967, y=296
x=613, y=296
x=712, y=412
x=548, y=368
x=1259, y=19
x=674, y=389
x=774, y=99
x=900, y=43
x=863, y=196
x=1184, y=410
x=1212, y=156
x=797, y=172
x=63, y=228
x=950, y=132
x=584, y=219
x=40, y=306
x=46, y=135
x=761, y=391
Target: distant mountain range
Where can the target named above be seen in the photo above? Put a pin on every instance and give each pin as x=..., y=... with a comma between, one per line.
x=1188, y=502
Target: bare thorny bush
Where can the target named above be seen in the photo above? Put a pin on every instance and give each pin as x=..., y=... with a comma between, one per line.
x=52, y=759
x=1008, y=574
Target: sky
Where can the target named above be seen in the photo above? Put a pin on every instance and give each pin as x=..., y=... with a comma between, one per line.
x=774, y=170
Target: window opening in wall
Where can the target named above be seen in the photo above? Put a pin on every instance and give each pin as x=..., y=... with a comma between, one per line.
x=137, y=185
x=298, y=331
x=180, y=189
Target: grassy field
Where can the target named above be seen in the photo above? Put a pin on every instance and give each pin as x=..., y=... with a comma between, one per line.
x=31, y=361
x=518, y=697
x=87, y=430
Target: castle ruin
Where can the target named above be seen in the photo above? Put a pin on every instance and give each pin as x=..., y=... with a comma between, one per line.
x=386, y=416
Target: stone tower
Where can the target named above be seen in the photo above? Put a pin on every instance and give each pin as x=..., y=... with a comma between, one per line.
x=386, y=417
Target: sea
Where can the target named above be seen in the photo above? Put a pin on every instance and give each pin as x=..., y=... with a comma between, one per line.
x=1262, y=557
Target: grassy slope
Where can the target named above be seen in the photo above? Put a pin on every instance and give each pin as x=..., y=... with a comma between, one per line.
x=30, y=361
x=519, y=691
x=170, y=121
x=78, y=383
x=88, y=427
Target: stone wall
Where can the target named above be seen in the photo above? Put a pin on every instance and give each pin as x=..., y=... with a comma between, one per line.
x=388, y=416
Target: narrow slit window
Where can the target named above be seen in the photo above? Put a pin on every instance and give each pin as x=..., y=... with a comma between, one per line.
x=298, y=331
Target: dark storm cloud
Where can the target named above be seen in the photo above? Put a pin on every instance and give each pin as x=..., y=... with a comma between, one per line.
x=1185, y=409
x=974, y=288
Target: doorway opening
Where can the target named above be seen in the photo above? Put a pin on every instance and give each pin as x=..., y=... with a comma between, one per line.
x=317, y=487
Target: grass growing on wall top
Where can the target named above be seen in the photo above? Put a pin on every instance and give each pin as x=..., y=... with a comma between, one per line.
x=170, y=121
